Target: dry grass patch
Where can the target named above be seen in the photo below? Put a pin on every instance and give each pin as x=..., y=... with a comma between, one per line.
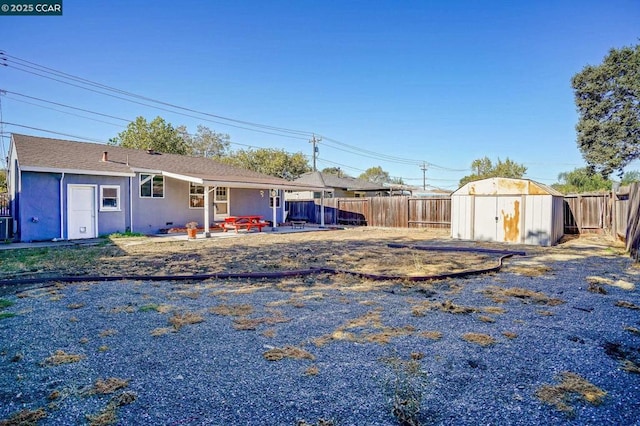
x=75, y=306
x=277, y=354
x=270, y=333
x=108, y=385
x=127, y=309
x=570, y=388
x=420, y=309
x=633, y=330
x=431, y=334
x=232, y=310
x=625, y=285
x=596, y=288
x=531, y=270
x=509, y=334
x=188, y=294
x=479, y=339
x=157, y=332
x=25, y=417
x=370, y=330
x=254, y=323
x=628, y=305
x=164, y=308
x=61, y=357
x=496, y=310
x=501, y=295
x=180, y=319
x=109, y=415
x=312, y=370
x=108, y=332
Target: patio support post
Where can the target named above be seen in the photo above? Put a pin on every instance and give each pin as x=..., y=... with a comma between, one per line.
x=207, y=219
x=322, y=210
x=274, y=194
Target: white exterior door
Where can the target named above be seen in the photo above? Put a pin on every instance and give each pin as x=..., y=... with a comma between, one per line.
x=220, y=203
x=485, y=220
x=81, y=212
x=509, y=218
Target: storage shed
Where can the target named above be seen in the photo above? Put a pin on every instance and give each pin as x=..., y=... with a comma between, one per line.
x=507, y=210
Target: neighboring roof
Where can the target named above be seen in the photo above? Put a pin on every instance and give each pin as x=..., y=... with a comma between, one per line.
x=506, y=186
x=347, y=183
x=56, y=155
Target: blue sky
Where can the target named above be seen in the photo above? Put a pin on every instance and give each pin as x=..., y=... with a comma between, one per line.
x=386, y=83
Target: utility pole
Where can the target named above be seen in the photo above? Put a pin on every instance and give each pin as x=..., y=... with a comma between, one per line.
x=314, y=142
x=424, y=175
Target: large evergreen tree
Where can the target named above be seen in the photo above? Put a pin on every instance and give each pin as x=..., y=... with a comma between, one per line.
x=608, y=101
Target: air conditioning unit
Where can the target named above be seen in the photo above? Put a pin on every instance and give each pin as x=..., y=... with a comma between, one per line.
x=6, y=228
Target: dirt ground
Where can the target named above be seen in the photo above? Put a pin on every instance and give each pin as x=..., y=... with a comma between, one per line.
x=365, y=250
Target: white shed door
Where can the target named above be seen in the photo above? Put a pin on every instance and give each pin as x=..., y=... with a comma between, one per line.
x=509, y=215
x=81, y=209
x=498, y=219
x=485, y=224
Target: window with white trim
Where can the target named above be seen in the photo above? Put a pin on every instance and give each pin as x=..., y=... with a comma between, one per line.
x=151, y=186
x=277, y=201
x=196, y=196
x=110, y=198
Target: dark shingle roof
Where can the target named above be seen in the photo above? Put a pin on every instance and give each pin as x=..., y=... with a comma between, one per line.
x=39, y=153
x=334, y=181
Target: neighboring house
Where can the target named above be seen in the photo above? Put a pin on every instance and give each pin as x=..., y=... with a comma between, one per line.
x=61, y=189
x=341, y=186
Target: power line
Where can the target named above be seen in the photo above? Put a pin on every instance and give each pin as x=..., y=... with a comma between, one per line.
x=22, y=64
x=89, y=85
x=52, y=132
x=65, y=112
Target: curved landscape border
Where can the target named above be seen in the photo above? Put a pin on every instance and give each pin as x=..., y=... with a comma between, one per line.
x=503, y=254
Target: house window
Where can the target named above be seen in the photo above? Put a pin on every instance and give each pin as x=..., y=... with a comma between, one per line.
x=277, y=201
x=196, y=196
x=109, y=198
x=151, y=186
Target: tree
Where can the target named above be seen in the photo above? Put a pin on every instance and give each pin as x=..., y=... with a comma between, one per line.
x=375, y=175
x=333, y=171
x=581, y=180
x=270, y=161
x=157, y=135
x=630, y=177
x=483, y=168
x=205, y=143
x=608, y=100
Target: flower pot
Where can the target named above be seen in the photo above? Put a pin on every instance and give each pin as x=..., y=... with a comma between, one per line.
x=191, y=233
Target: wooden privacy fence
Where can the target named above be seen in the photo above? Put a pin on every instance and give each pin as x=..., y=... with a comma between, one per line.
x=589, y=213
x=614, y=213
x=632, y=233
x=389, y=212
x=4, y=205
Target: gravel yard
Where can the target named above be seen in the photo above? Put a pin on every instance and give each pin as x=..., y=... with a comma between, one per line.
x=552, y=338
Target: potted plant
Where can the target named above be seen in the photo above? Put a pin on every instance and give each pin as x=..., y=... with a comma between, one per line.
x=192, y=229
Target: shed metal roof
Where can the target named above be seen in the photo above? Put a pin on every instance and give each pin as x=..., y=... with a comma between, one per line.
x=506, y=186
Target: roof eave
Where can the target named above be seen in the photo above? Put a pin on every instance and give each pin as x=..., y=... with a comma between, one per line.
x=75, y=171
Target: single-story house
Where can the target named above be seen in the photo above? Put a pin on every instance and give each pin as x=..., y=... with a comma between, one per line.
x=338, y=186
x=61, y=189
